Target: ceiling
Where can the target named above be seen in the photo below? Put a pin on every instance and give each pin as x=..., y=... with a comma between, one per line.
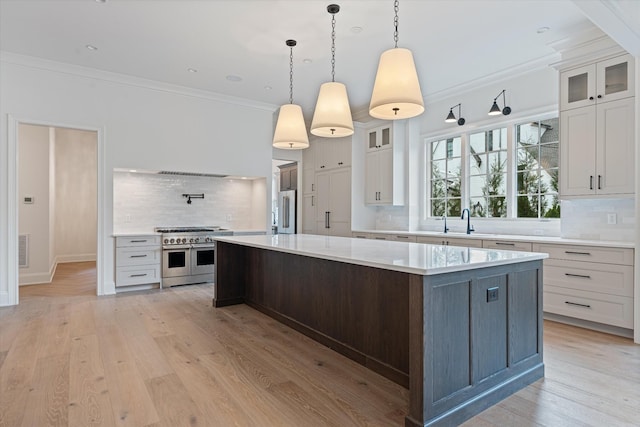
x=454, y=42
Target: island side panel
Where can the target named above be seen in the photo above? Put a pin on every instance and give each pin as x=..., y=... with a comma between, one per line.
x=361, y=312
x=230, y=274
x=477, y=348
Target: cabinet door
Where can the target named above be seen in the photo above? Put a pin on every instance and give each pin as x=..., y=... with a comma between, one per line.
x=322, y=202
x=577, y=151
x=615, y=78
x=578, y=87
x=371, y=188
x=285, y=179
x=616, y=153
x=308, y=180
x=385, y=177
x=308, y=214
x=379, y=138
x=340, y=199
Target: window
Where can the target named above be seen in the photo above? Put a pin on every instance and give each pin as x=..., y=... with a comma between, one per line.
x=446, y=163
x=537, y=169
x=488, y=173
x=510, y=171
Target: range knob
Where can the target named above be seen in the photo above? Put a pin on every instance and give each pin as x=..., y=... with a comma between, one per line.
x=191, y=240
x=197, y=239
x=208, y=239
x=171, y=241
x=166, y=241
x=184, y=240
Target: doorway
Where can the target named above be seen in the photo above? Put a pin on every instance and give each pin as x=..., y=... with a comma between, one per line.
x=57, y=212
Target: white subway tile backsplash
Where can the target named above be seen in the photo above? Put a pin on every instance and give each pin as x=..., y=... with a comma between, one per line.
x=589, y=219
x=142, y=201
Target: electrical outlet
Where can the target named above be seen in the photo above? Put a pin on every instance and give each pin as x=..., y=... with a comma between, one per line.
x=612, y=218
x=229, y=217
x=492, y=294
x=127, y=218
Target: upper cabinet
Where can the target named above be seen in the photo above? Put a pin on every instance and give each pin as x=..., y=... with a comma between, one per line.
x=332, y=153
x=288, y=176
x=597, y=125
x=603, y=81
x=384, y=166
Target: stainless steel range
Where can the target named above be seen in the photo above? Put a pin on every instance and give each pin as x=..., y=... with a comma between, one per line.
x=188, y=254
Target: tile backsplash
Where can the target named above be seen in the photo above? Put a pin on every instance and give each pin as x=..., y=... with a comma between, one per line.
x=590, y=219
x=142, y=201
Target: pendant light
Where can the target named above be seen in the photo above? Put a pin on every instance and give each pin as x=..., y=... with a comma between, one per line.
x=396, y=91
x=332, y=116
x=291, y=133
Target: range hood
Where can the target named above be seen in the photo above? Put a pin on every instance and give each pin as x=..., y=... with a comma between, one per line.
x=210, y=175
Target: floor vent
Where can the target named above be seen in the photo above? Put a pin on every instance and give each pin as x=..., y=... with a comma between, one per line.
x=23, y=250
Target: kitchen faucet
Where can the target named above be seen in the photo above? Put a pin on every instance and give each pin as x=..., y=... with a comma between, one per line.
x=445, y=224
x=469, y=226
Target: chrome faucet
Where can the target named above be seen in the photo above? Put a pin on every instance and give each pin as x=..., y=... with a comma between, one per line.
x=469, y=226
x=445, y=224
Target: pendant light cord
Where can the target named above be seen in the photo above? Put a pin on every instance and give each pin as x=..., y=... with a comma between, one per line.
x=396, y=6
x=291, y=75
x=333, y=47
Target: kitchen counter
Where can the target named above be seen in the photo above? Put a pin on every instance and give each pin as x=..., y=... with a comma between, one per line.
x=460, y=328
x=511, y=237
x=140, y=233
x=415, y=258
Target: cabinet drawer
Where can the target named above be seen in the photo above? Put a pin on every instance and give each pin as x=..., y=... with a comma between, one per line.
x=620, y=256
x=507, y=245
x=601, y=278
x=608, y=309
x=402, y=238
x=471, y=243
x=360, y=235
x=138, y=255
x=137, y=275
x=148, y=240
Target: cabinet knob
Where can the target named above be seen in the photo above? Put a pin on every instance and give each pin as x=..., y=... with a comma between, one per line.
x=599, y=96
x=591, y=98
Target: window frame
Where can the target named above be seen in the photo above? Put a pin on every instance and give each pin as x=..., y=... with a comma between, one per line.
x=511, y=175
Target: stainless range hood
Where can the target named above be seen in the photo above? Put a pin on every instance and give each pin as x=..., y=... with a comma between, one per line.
x=210, y=175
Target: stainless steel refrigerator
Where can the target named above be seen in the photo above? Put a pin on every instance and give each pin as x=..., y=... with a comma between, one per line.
x=287, y=212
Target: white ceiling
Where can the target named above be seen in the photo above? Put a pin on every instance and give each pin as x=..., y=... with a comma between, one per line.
x=454, y=42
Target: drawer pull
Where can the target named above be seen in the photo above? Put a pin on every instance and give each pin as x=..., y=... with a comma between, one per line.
x=137, y=275
x=582, y=276
x=139, y=241
x=505, y=244
x=380, y=238
x=577, y=304
x=402, y=237
x=577, y=253
x=138, y=256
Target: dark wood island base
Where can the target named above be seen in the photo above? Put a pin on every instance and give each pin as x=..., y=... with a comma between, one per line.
x=459, y=341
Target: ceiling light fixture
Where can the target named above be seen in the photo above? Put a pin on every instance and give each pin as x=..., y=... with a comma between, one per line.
x=495, y=110
x=332, y=116
x=233, y=78
x=396, y=91
x=451, y=118
x=291, y=133
x=91, y=47
x=192, y=70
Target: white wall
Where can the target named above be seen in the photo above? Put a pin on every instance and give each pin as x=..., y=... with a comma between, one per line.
x=142, y=201
x=34, y=218
x=75, y=195
x=141, y=125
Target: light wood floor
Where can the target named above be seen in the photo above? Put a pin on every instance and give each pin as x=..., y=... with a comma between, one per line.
x=168, y=358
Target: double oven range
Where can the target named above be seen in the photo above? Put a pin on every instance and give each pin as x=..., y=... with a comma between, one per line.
x=188, y=254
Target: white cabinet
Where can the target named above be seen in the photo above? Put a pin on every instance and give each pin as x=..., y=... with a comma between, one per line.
x=332, y=153
x=384, y=167
x=589, y=283
x=597, y=154
x=333, y=202
x=393, y=237
x=602, y=81
x=138, y=260
x=507, y=245
x=309, y=168
x=309, y=214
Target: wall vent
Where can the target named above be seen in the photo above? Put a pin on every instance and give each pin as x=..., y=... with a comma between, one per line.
x=23, y=250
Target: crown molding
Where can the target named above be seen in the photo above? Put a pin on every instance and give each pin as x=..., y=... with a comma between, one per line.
x=123, y=79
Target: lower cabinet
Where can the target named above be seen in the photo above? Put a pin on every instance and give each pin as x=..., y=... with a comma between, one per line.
x=309, y=214
x=589, y=283
x=333, y=202
x=451, y=241
x=138, y=260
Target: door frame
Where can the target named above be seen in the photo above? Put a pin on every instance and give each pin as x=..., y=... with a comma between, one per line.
x=12, y=202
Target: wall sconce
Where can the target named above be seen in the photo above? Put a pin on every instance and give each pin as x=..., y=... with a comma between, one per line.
x=495, y=110
x=193, y=196
x=451, y=118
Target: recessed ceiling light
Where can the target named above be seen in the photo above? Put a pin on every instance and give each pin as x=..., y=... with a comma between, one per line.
x=356, y=30
x=192, y=70
x=233, y=78
x=307, y=60
x=91, y=47
x=267, y=87
x=101, y=1
x=543, y=30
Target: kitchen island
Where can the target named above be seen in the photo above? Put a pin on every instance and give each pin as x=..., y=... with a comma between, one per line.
x=461, y=328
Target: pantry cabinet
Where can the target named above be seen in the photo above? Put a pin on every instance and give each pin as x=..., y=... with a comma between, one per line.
x=333, y=202
x=597, y=125
x=384, y=167
x=332, y=153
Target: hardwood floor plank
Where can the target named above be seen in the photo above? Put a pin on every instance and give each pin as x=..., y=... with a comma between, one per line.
x=175, y=407
x=47, y=404
x=82, y=320
x=89, y=394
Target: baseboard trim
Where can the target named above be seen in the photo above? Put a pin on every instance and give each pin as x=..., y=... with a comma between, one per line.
x=75, y=258
x=600, y=327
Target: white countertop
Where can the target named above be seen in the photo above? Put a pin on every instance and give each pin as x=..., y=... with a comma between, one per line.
x=509, y=237
x=415, y=258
